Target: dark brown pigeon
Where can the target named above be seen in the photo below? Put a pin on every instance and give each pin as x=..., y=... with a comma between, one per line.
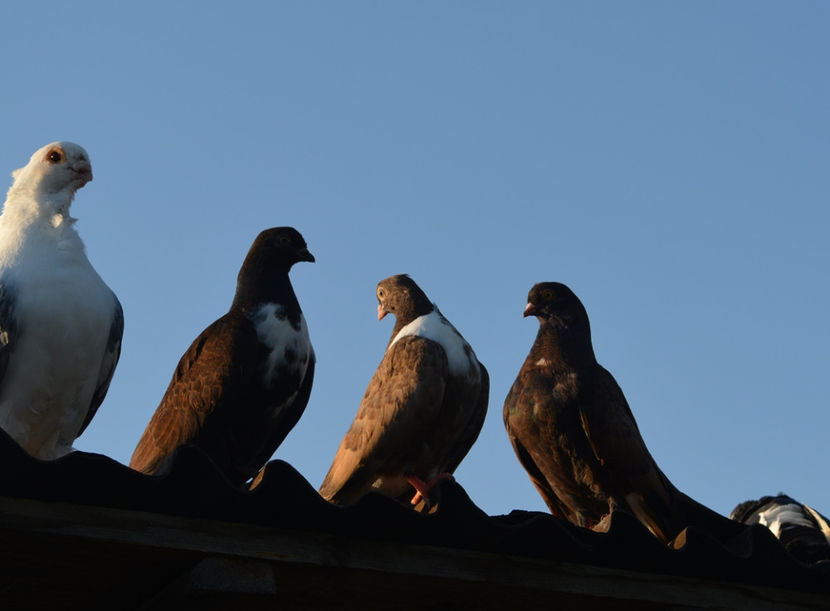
x=244, y=382
x=575, y=435
x=422, y=411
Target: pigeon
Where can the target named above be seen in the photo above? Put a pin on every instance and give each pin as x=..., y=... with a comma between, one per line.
x=60, y=324
x=245, y=381
x=575, y=435
x=422, y=411
x=803, y=531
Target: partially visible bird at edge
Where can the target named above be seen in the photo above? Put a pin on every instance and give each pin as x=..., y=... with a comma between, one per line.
x=60, y=324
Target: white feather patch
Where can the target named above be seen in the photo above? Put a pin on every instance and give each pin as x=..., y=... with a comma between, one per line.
x=64, y=312
x=435, y=327
x=276, y=332
x=775, y=518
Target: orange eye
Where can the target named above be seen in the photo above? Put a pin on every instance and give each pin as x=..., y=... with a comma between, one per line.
x=380, y=292
x=547, y=295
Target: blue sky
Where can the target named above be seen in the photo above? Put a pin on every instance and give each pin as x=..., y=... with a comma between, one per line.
x=668, y=161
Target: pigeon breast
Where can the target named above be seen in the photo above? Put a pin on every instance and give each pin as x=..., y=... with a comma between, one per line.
x=287, y=342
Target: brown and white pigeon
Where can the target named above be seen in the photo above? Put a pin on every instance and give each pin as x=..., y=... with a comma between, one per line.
x=245, y=381
x=575, y=435
x=60, y=324
x=800, y=528
x=422, y=410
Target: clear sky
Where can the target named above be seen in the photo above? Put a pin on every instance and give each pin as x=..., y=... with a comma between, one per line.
x=669, y=161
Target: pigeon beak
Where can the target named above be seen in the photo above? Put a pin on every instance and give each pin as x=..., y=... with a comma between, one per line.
x=381, y=312
x=304, y=255
x=84, y=170
x=530, y=310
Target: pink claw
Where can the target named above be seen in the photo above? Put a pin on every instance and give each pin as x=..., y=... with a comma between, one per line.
x=422, y=488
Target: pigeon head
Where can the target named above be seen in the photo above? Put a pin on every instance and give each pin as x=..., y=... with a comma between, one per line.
x=564, y=330
x=400, y=296
x=556, y=303
x=279, y=247
x=264, y=273
x=57, y=168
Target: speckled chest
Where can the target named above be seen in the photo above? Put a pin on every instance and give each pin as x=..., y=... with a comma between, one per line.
x=286, y=340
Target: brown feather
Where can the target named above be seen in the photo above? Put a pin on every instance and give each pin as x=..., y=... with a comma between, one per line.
x=205, y=379
x=390, y=433
x=241, y=385
x=416, y=417
x=574, y=433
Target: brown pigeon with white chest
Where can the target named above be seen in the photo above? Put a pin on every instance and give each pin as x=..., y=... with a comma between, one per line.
x=422, y=410
x=575, y=435
x=246, y=379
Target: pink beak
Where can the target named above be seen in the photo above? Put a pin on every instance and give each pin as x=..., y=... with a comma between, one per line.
x=529, y=310
x=381, y=312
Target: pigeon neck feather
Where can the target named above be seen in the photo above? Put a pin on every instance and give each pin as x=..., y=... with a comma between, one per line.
x=24, y=225
x=435, y=327
x=26, y=207
x=258, y=284
x=562, y=347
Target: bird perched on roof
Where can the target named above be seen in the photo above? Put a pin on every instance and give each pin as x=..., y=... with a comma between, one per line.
x=575, y=435
x=800, y=528
x=245, y=380
x=422, y=410
x=60, y=324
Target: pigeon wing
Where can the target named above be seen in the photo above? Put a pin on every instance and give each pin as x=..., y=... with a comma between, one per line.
x=108, y=362
x=468, y=434
x=8, y=327
x=204, y=389
x=615, y=439
x=389, y=432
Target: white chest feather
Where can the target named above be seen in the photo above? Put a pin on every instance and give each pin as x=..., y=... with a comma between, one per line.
x=289, y=346
x=63, y=312
x=435, y=327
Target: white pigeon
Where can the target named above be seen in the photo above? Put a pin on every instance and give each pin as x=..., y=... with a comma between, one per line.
x=60, y=324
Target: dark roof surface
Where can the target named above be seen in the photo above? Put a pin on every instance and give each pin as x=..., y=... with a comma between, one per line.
x=194, y=488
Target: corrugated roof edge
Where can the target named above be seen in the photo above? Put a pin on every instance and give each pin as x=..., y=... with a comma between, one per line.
x=193, y=487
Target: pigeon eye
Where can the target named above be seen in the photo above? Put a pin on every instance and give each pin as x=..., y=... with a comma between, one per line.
x=54, y=156
x=547, y=295
x=380, y=292
x=284, y=241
